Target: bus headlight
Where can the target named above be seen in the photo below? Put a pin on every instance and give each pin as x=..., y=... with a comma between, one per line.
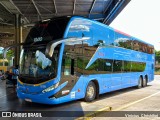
x=51, y=88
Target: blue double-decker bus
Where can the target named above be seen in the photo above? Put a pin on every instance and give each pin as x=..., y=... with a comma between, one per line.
x=69, y=58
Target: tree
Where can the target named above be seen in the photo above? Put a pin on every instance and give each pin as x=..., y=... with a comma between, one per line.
x=10, y=54
x=157, y=56
x=1, y=56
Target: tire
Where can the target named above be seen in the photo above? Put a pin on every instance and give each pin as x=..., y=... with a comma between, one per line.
x=140, y=83
x=145, y=81
x=90, y=92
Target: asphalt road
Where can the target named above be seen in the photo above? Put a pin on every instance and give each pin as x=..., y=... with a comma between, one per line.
x=130, y=99
x=138, y=104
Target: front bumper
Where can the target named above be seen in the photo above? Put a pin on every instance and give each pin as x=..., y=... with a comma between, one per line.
x=39, y=98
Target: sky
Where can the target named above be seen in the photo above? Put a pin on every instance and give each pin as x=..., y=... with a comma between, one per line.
x=1, y=48
x=141, y=19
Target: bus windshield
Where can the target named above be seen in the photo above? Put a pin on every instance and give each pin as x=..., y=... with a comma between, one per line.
x=35, y=67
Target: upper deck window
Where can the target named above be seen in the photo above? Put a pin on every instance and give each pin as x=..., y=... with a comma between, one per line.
x=47, y=31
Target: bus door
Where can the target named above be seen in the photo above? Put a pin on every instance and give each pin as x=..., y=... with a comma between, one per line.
x=69, y=72
x=117, y=72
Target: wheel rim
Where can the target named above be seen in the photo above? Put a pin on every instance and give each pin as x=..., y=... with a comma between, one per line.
x=90, y=91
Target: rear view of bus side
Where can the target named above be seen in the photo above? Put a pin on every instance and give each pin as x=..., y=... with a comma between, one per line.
x=91, y=59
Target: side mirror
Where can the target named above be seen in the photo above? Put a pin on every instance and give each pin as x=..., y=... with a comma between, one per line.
x=51, y=45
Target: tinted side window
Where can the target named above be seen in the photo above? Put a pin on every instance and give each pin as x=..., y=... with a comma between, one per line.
x=127, y=66
x=142, y=66
x=117, y=66
x=105, y=66
x=138, y=66
x=150, y=50
x=100, y=66
x=142, y=47
x=128, y=44
x=80, y=66
x=135, y=45
x=125, y=43
x=93, y=69
x=108, y=64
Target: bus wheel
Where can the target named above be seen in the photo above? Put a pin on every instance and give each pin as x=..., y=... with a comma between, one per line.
x=90, y=92
x=145, y=81
x=140, y=83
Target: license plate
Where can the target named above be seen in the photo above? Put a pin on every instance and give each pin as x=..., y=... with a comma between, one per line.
x=28, y=100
